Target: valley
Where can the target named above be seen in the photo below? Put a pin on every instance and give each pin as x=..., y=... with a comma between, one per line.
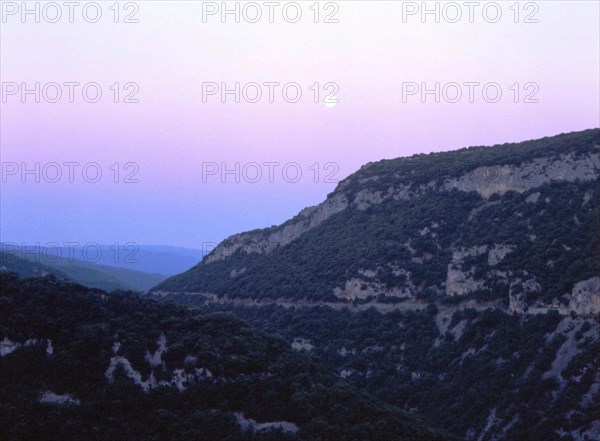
x=437, y=297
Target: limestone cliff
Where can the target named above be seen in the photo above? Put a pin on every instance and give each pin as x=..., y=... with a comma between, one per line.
x=514, y=226
x=486, y=181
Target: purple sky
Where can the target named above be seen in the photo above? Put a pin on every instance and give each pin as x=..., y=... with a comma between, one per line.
x=171, y=132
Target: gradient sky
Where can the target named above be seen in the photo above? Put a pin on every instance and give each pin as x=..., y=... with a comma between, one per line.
x=170, y=133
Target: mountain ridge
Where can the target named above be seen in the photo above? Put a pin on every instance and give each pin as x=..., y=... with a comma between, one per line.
x=462, y=285
x=465, y=185
x=477, y=179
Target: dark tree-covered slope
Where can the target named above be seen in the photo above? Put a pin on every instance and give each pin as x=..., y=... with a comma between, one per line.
x=516, y=224
x=78, y=363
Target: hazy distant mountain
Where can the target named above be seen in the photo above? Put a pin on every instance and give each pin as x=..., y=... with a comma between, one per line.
x=167, y=249
x=88, y=274
x=25, y=268
x=160, y=259
x=155, y=259
x=464, y=285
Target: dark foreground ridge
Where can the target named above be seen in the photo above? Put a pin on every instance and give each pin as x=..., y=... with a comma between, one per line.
x=80, y=364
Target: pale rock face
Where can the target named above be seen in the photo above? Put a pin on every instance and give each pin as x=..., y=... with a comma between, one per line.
x=344, y=352
x=459, y=254
x=368, y=273
x=180, y=379
x=497, y=253
x=499, y=179
x=258, y=242
x=533, y=198
x=301, y=344
x=486, y=181
x=247, y=424
x=585, y=297
x=345, y=373
x=359, y=288
x=156, y=358
x=516, y=302
x=235, y=272
x=115, y=347
x=7, y=346
x=459, y=281
x=190, y=360
x=365, y=198
x=353, y=290
x=130, y=372
x=49, y=397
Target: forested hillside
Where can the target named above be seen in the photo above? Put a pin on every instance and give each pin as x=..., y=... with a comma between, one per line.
x=464, y=286
x=518, y=225
x=79, y=363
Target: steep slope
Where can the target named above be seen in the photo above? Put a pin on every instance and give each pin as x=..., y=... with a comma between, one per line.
x=77, y=363
x=482, y=374
x=514, y=224
x=464, y=286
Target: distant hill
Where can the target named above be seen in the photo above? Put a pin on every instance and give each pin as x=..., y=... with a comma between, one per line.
x=153, y=259
x=158, y=259
x=88, y=274
x=168, y=249
x=25, y=268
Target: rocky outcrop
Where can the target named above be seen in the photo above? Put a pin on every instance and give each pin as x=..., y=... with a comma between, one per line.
x=585, y=297
x=496, y=179
x=265, y=241
x=499, y=179
x=497, y=253
x=363, y=289
x=367, y=286
x=461, y=280
x=519, y=289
